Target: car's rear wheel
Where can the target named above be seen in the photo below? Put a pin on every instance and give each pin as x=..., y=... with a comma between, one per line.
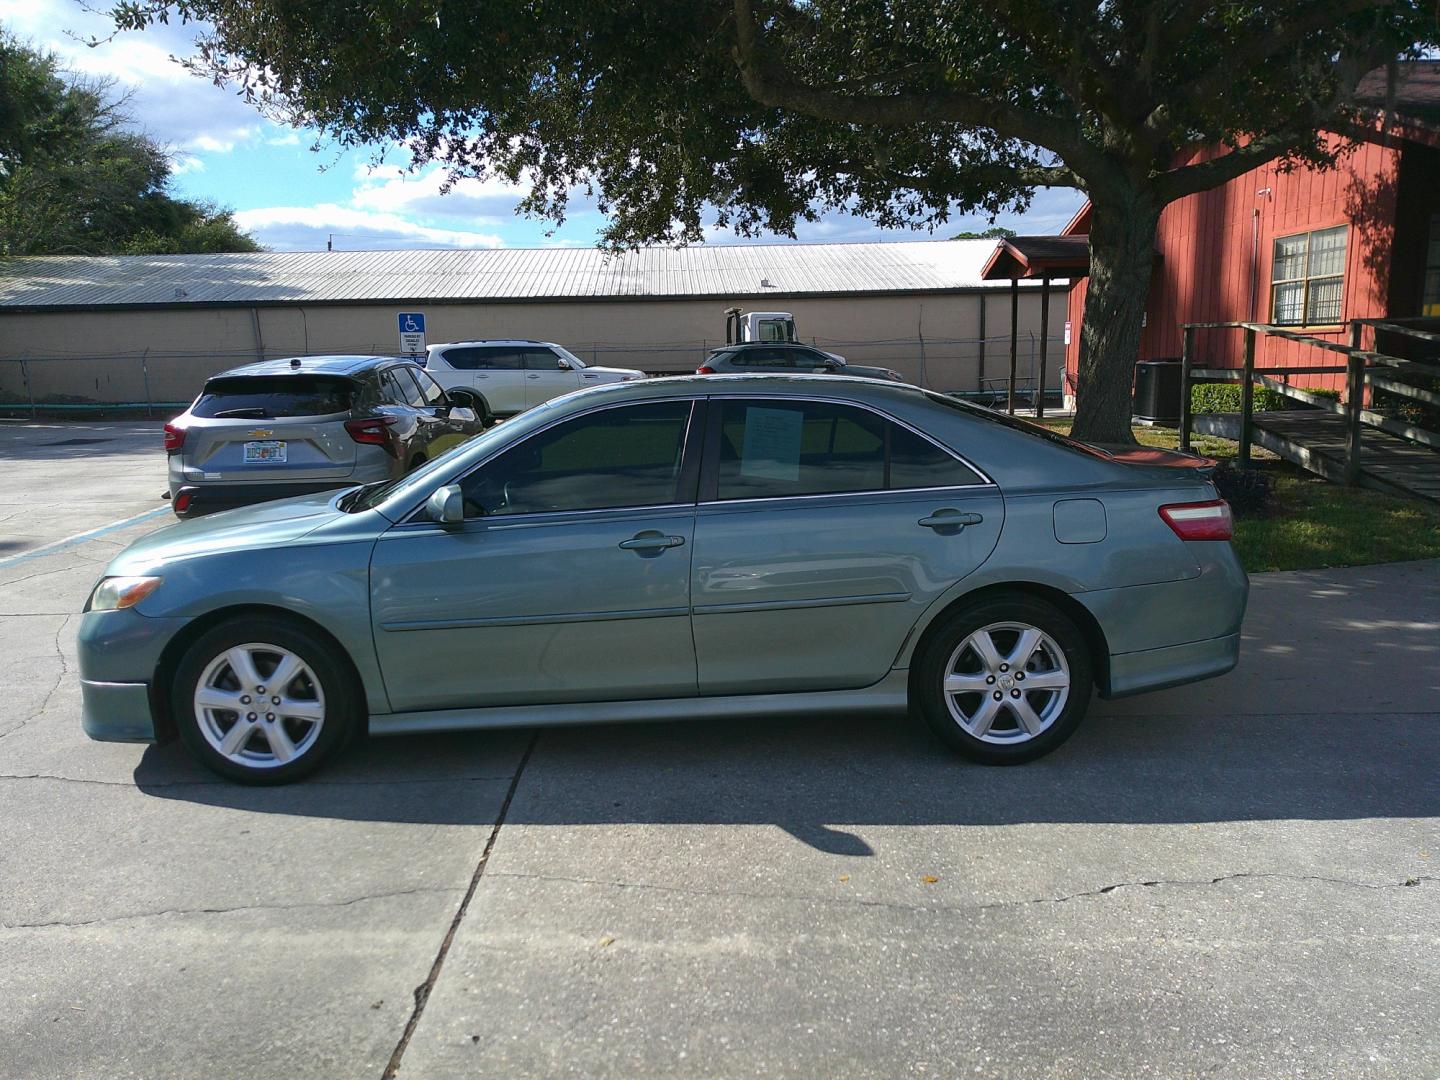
x=1005, y=680
x=264, y=701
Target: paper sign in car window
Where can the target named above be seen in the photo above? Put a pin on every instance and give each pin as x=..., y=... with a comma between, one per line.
x=772, y=444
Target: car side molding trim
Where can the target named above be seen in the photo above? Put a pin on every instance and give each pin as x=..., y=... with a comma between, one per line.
x=889, y=695
x=536, y=620
x=783, y=605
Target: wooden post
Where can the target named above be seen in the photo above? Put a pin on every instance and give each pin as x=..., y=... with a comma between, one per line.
x=1187, y=360
x=145, y=376
x=1354, y=403
x=1014, y=336
x=1247, y=399
x=1044, y=346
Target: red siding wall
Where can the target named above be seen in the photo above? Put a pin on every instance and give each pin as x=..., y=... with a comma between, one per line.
x=1215, y=247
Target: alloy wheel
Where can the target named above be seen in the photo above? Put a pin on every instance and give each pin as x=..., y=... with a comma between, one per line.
x=259, y=705
x=1007, y=683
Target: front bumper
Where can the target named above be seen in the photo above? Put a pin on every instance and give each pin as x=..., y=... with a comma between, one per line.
x=119, y=653
x=116, y=712
x=212, y=498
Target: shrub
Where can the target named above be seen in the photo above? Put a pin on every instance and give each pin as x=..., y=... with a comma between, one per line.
x=1248, y=491
x=1330, y=395
x=1225, y=397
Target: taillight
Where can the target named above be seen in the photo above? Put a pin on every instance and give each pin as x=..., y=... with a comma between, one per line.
x=1200, y=521
x=174, y=438
x=374, y=430
x=704, y=369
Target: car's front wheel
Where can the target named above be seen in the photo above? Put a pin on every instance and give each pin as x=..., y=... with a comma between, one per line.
x=1005, y=680
x=263, y=701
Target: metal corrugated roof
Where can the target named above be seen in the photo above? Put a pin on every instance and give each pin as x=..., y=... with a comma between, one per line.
x=495, y=274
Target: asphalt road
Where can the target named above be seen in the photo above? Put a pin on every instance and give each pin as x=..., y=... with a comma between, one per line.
x=1238, y=879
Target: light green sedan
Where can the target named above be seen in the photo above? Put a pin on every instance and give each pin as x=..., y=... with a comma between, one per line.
x=685, y=548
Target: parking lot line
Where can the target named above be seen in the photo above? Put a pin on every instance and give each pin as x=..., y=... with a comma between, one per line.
x=80, y=538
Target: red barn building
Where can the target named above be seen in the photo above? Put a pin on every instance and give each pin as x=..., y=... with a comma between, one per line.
x=1304, y=248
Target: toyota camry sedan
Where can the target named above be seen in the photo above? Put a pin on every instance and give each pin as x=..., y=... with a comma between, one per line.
x=684, y=548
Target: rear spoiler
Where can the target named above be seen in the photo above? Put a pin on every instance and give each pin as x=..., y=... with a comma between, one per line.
x=1156, y=458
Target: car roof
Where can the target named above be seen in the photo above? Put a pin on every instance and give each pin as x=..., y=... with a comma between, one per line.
x=493, y=341
x=313, y=365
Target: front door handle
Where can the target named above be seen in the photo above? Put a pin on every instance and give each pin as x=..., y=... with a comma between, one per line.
x=950, y=518
x=532, y=376
x=651, y=542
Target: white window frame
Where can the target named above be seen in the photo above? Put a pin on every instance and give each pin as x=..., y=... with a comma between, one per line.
x=1306, y=279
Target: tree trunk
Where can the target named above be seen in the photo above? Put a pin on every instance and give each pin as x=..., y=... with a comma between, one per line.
x=1122, y=255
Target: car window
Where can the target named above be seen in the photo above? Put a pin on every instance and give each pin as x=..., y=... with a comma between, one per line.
x=626, y=456
x=919, y=463
x=772, y=449
x=429, y=388
x=540, y=360
x=269, y=397
x=778, y=449
x=407, y=387
x=484, y=358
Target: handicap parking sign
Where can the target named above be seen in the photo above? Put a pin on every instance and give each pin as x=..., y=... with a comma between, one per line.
x=412, y=332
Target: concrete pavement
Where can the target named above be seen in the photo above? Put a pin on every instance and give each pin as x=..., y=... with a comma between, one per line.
x=1234, y=879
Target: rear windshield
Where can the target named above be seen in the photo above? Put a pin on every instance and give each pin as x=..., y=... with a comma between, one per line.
x=269, y=397
x=1017, y=424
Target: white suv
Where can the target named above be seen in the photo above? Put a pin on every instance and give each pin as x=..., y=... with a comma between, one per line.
x=511, y=376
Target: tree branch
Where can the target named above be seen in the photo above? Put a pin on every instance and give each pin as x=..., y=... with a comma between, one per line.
x=1258, y=49
x=771, y=84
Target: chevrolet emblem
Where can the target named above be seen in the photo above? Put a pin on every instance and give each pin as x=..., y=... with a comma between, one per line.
x=261, y=433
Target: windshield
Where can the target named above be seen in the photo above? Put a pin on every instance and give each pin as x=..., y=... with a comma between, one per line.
x=272, y=397
x=574, y=360
x=1015, y=423
x=372, y=495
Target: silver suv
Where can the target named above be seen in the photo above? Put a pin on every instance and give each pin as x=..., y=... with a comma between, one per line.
x=297, y=426
x=510, y=376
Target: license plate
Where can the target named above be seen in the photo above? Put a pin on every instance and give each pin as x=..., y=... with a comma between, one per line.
x=270, y=452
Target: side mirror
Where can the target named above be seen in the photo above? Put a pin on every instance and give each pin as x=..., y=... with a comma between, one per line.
x=447, y=506
x=463, y=413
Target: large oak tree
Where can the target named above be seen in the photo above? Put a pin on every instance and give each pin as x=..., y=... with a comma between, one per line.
x=756, y=114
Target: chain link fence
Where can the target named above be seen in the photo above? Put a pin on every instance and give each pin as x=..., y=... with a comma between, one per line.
x=159, y=382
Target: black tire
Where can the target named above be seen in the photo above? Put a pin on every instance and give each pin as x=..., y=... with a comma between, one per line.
x=1007, y=742
x=338, y=699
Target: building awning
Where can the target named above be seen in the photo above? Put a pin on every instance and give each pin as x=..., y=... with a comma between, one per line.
x=1038, y=257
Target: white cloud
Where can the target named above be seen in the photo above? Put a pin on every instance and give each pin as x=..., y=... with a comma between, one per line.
x=391, y=189
x=186, y=163
x=288, y=138
x=307, y=228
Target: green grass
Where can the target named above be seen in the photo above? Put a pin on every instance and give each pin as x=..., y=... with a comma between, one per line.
x=1313, y=523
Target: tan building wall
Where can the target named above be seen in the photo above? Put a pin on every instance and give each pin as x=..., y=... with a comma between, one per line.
x=165, y=354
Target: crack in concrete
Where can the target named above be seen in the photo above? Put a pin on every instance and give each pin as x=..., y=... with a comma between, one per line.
x=59, y=681
x=149, y=786
x=317, y=904
x=1410, y=882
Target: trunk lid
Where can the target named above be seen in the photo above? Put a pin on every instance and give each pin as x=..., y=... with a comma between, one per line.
x=1155, y=457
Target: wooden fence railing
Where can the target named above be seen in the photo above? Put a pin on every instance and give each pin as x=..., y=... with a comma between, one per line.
x=1360, y=370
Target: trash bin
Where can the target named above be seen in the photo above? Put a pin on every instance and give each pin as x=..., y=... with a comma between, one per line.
x=1157, y=389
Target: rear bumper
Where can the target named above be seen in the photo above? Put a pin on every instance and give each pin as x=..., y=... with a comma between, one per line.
x=116, y=711
x=211, y=498
x=1175, y=665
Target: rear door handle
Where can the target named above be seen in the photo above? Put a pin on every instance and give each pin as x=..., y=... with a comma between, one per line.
x=651, y=543
x=532, y=376
x=950, y=519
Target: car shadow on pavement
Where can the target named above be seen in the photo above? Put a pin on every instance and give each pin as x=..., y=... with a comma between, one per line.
x=816, y=778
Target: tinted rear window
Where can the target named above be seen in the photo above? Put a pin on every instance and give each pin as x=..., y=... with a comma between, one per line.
x=270, y=397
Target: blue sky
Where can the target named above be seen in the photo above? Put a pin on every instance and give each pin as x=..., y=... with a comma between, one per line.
x=293, y=196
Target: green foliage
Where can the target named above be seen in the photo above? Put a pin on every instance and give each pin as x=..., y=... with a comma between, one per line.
x=996, y=232
x=1225, y=397
x=755, y=115
x=75, y=180
x=1325, y=392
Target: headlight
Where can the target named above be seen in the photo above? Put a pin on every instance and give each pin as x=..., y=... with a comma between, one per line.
x=114, y=593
